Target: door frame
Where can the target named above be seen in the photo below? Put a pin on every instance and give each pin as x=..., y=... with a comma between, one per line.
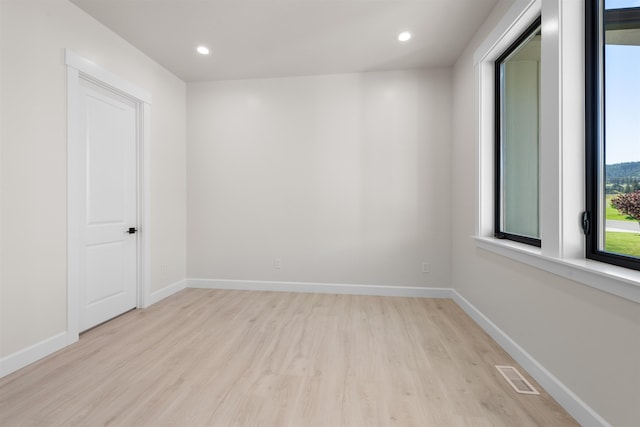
x=79, y=68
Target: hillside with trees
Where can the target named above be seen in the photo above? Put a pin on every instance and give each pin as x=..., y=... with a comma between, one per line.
x=623, y=177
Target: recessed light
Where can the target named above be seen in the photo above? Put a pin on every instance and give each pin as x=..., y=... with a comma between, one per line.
x=203, y=50
x=404, y=36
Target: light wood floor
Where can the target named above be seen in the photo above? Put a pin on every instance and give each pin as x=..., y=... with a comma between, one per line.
x=233, y=358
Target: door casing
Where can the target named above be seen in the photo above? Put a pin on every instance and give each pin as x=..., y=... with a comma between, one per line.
x=80, y=68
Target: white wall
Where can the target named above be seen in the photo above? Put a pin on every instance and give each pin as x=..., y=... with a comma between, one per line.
x=342, y=177
x=33, y=253
x=588, y=339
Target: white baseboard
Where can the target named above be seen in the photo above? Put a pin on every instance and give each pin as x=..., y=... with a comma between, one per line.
x=552, y=385
x=33, y=353
x=165, y=292
x=321, y=288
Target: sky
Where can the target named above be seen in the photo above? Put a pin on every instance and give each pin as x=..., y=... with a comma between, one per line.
x=622, y=98
x=615, y=4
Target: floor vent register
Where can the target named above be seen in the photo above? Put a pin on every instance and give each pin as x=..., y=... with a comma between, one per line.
x=517, y=381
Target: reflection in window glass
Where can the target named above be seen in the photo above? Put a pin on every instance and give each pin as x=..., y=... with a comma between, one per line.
x=517, y=142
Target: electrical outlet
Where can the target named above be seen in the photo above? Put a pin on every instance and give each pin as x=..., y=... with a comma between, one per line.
x=426, y=267
x=277, y=263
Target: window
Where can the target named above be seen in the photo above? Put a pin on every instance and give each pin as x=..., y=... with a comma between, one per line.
x=517, y=104
x=561, y=145
x=613, y=131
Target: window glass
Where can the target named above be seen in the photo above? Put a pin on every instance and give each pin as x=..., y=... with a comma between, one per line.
x=517, y=139
x=615, y=139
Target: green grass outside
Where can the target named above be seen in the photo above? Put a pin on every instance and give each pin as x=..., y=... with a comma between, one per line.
x=612, y=213
x=619, y=242
x=622, y=243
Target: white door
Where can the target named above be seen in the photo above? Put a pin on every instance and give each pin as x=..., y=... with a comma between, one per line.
x=108, y=282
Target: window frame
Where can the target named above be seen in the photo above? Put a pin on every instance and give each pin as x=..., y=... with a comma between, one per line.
x=498, y=193
x=595, y=23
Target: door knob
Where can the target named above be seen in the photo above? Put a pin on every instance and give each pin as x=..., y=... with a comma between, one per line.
x=132, y=230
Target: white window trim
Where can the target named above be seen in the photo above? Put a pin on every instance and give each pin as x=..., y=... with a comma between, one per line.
x=562, y=178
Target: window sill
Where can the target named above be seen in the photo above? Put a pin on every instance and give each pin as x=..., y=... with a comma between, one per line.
x=615, y=280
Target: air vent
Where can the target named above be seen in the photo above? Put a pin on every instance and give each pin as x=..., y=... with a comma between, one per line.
x=517, y=381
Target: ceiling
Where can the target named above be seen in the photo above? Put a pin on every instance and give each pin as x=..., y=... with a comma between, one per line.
x=273, y=38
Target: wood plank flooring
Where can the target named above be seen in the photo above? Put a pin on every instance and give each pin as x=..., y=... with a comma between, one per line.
x=237, y=358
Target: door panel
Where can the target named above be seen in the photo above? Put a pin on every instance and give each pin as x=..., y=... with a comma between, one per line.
x=109, y=283
x=105, y=271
